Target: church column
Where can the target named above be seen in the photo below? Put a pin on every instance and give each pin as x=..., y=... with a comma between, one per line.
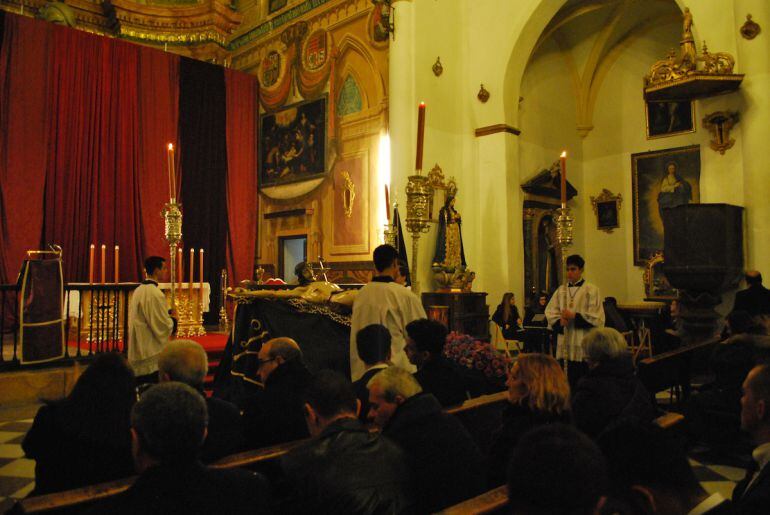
x=402, y=114
x=499, y=240
x=754, y=60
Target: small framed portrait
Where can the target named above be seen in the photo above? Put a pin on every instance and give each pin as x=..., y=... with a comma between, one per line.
x=669, y=118
x=606, y=208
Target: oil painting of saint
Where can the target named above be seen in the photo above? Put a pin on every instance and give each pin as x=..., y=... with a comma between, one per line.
x=662, y=179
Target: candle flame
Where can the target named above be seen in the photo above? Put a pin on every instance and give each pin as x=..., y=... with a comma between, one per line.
x=564, y=154
x=422, y=104
x=171, y=146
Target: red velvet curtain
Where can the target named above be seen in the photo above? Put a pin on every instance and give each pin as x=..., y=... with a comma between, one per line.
x=159, y=117
x=104, y=179
x=23, y=139
x=242, y=212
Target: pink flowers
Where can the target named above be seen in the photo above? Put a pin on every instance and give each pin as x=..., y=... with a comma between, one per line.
x=474, y=354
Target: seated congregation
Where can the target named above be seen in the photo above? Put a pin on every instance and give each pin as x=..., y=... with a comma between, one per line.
x=401, y=441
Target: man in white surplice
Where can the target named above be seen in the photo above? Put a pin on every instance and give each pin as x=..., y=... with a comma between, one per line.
x=574, y=310
x=150, y=322
x=384, y=301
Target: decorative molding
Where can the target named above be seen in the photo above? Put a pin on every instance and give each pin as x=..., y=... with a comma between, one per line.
x=750, y=28
x=287, y=213
x=483, y=94
x=438, y=68
x=494, y=129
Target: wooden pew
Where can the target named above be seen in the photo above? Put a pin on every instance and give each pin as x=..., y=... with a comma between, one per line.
x=493, y=501
x=485, y=407
x=482, y=416
x=671, y=369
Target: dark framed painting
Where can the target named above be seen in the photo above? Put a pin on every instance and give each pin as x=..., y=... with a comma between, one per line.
x=292, y=143
x=607, y=216
x=669, y=118
x=661, y=179
x=274, y=5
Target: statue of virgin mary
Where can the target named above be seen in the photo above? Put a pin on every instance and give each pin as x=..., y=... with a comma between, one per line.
x=449, y=244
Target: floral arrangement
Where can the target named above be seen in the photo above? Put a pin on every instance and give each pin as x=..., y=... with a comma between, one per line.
x=476, y=355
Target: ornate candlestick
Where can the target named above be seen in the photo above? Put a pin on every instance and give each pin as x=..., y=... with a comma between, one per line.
x=224, y=323
x=390, y=233
x=172, y=213
x=564, y=227
x=419, y=193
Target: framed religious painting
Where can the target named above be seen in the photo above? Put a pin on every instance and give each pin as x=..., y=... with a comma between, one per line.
x=292, y=143
x=661, y=179
x=606, y=207
x=669, y=118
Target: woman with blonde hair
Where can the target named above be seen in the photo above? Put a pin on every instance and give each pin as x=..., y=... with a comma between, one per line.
x=538, y=393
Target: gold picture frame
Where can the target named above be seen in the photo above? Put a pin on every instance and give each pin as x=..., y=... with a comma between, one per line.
x=607, y=210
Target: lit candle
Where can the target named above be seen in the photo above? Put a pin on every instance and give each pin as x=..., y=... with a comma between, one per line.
x=104, y=259
x=171, y=175
x=91, y=264
x=563, y=160
x=179, y=265
x=117, y=264
x=200, y=265
x=420, y=135
x=387, y=203
x=192, y=269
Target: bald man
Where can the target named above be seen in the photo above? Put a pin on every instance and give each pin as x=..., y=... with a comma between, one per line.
x=185, y=361
x=276, y=414
x=755, y=300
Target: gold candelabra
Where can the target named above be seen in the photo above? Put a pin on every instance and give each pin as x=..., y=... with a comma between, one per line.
x=419, y=193
x=224, y=323
x=172, y=213
x=564, y=230
x=390, y=233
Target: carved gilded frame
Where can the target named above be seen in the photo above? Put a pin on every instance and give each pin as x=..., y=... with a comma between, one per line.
x=607, y=210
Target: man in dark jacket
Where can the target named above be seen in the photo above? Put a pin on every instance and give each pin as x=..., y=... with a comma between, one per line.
x=345, y=468
x=755, y=299
x=168, y=425
x=424, y=346
x=447, y=464
x=275, y=415
x=752, y=493
x=185, y=361
x=373, y=342
x=610, y=391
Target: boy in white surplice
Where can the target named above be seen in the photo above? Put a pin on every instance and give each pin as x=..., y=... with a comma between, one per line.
x=573, y=310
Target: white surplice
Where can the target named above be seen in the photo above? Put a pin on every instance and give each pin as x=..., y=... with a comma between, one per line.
x=586, y=302
x=389, y=304
x=149, y=327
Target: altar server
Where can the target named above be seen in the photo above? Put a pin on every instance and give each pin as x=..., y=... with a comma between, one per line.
x=573, y=310
x=150, y=322
x=384, y=301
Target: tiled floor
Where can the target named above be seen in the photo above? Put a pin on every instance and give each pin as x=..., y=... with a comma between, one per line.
x=17, y=473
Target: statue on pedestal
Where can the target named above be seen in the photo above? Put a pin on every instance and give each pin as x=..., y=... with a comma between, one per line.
x=449, y=266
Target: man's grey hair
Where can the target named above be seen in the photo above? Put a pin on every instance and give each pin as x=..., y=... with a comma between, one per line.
x=285, y=347
x=170, y=420
x=394, y=381
x=604, y=344
x=184, y=361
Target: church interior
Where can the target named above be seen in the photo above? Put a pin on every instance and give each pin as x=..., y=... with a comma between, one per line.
x=266, y=148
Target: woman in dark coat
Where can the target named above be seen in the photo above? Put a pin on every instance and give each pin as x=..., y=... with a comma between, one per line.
x=85, y=438
x=538, y=393
x=507, y=317
x=610, y=392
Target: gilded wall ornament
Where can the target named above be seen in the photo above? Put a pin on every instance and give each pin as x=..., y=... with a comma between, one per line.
x=720, y=123
x=750, y=28
x=689, y=74
x=438, y=68
x=348, y=194
x=483, y=95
